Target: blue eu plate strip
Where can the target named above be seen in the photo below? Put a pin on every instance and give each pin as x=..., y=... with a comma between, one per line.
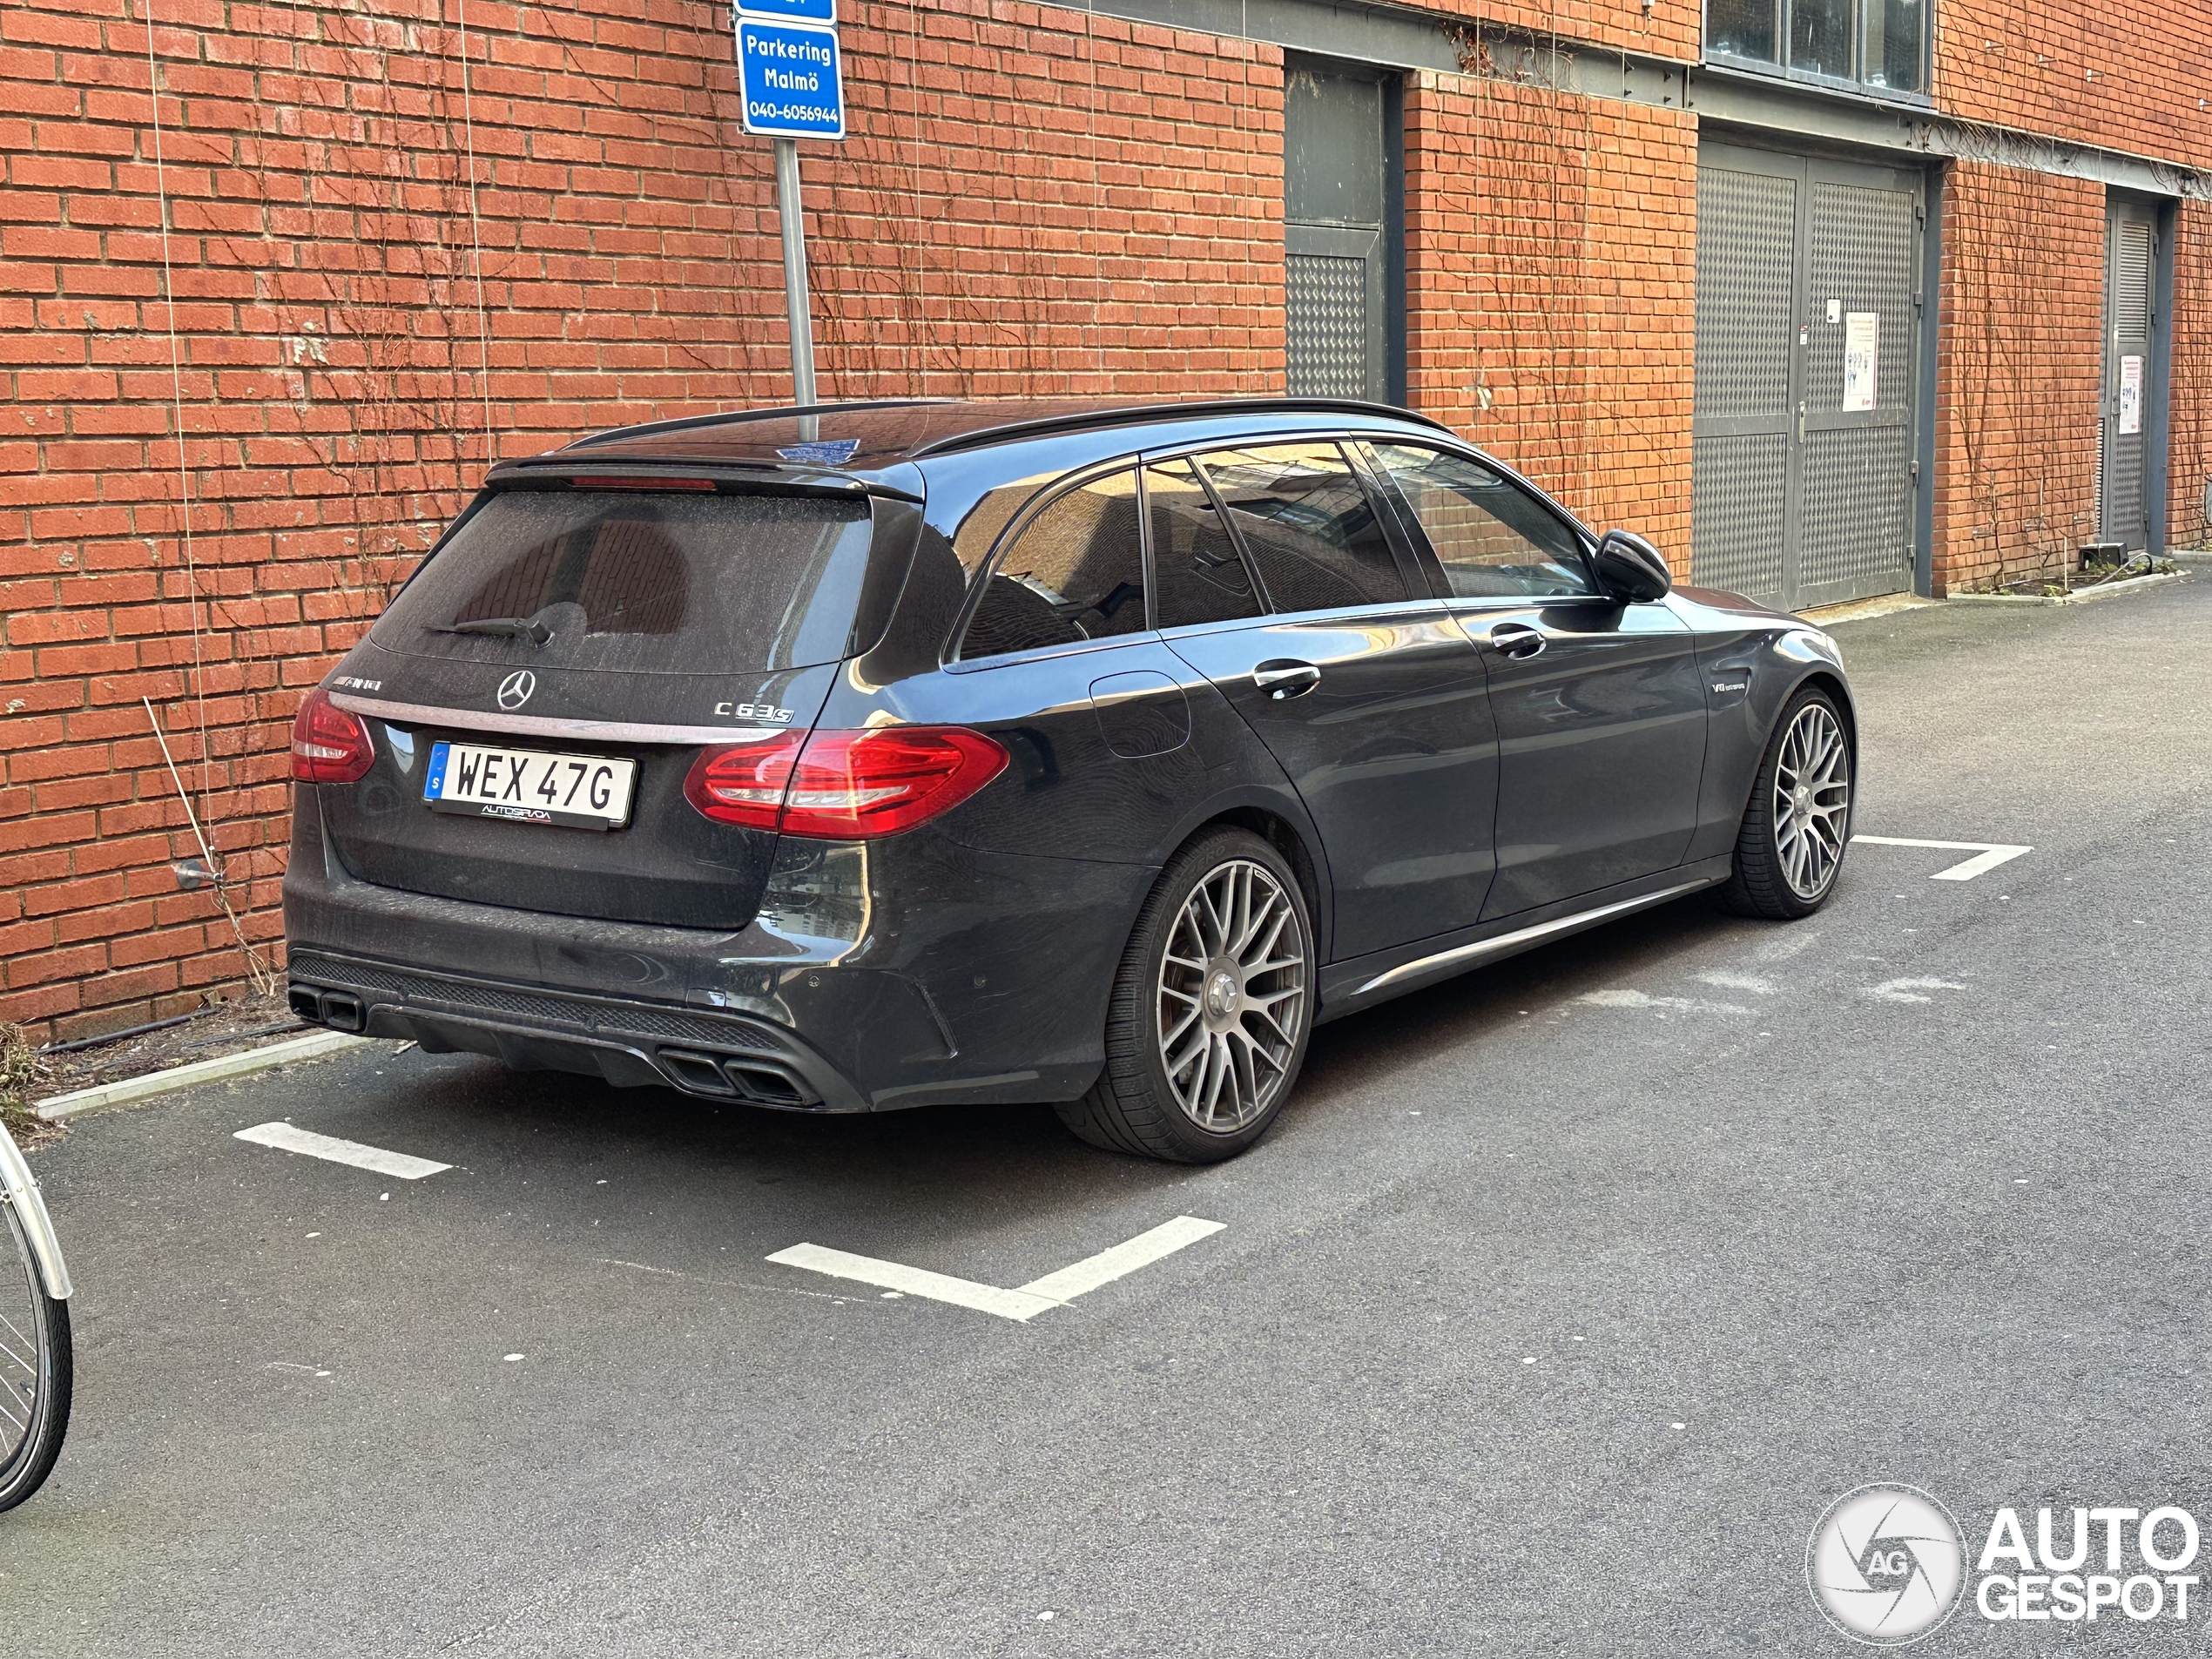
x=433, y=786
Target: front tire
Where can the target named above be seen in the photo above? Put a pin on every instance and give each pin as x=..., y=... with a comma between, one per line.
x=1790, y=848
x=1211, y=1006
x=35, y=1368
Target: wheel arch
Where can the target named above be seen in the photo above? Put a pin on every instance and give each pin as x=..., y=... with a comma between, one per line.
x=1294, y=838
x=1823, y=679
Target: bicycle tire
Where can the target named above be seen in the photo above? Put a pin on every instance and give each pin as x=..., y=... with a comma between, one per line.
x=36, y=1374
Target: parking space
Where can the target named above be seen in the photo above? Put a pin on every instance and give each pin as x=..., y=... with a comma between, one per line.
x=1561, y=1303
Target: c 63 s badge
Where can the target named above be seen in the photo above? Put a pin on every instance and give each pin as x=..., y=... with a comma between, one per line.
x=755, y=711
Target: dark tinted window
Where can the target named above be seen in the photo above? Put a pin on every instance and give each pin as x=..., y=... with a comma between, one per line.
x=1305, y=520
x=1074, y=572
x=1493, y=537
x=1197, y=573
x=640, y=581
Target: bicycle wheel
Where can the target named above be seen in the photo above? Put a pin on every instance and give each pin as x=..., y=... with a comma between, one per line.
x=35, y=1370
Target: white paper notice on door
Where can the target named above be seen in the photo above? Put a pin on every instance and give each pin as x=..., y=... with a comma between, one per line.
x=1862, y=348
x=2131, y=394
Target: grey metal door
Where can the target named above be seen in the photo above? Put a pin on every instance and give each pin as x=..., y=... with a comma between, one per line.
x=1339, y=232
x=2131, y=251
x=1803, y=483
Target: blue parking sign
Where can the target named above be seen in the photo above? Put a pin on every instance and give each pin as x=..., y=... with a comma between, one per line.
x=815, y=11
x=791, y=78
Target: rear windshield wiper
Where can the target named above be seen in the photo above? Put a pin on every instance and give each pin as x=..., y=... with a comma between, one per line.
x=507, y=627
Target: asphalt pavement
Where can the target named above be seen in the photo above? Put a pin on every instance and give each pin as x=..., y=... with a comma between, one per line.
x=1562, y=1302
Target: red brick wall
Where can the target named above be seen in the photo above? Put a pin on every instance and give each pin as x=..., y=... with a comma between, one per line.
x=2020, y=361
x=1097, y=207
x=2189, y=451
x=2127, y=76
x=1551, y=271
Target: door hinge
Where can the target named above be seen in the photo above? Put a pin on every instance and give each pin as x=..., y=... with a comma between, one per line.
x=1915, y=470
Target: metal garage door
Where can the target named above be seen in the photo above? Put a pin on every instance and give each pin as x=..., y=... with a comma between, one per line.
x=1340, y=159
x=1808, y=327
x=2131, y=249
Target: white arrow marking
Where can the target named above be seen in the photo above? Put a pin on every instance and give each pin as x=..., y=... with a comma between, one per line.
x=1991, y=855
x=285, y=1138
x=1038, y=1296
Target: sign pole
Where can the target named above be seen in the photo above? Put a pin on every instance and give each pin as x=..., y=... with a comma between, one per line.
x=791, y=77
x=795, y=302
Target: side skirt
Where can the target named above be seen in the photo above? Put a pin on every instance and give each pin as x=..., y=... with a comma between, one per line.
x=1365, y=980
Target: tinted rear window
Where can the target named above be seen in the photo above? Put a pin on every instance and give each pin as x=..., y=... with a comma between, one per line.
x=641, y=581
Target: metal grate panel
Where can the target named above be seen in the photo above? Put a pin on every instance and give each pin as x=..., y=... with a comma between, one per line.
x=1327, y=326
x=2124, y=512
x=2131, y=299
x=1747, y=230
x=1739, y=496
x=1862, y=256
x=1855, y=537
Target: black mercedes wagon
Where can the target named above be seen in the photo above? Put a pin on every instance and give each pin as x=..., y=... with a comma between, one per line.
x=885, y=754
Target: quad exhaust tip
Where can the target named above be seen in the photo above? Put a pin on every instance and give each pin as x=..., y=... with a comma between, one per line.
x=725, y=1078
x=340, y=1010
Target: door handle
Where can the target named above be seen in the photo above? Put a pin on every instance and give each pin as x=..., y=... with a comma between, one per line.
x=1285, y=677
x=1517, y=640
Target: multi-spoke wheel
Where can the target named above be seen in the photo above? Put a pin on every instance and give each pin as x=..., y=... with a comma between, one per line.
x=34, y=1365
x=1792, y=845
x=1231, y=996
x=1207, y=1021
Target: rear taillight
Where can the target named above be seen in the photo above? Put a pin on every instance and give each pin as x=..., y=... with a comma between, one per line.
x=844, y=785
x=744, y=786
x=329, y=744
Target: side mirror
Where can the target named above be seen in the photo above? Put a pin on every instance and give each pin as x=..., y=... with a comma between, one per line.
x=1630, y=569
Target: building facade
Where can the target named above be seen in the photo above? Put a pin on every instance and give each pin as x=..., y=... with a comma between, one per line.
x=1830, y=298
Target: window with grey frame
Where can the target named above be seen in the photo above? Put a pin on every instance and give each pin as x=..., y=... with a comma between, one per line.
x=1879, y=45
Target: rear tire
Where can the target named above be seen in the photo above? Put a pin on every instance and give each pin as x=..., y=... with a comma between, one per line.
x=1789, y=851
x=1221, y=962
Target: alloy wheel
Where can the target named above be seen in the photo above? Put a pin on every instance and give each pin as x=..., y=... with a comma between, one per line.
x=1811, y=800
x=1231, y=996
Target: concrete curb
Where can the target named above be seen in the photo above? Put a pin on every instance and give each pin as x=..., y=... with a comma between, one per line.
x=1888, y=604
x=200, y=1071
x=2079, y=596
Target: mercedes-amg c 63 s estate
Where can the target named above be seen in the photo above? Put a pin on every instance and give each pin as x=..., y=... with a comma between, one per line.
x=872, y=756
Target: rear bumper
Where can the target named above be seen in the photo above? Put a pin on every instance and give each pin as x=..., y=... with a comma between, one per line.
x=533, y=1029
x=870, y=980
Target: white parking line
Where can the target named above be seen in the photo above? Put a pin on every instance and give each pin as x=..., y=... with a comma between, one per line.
x=1111, y=1265
x=1038, y=1296
x=916, y=1281
x=1992, y=853
x=285, y=1138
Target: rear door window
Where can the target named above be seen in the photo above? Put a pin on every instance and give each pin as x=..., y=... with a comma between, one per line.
x=641, y=581
x=1198, y=574
x=1493, y=539
x=1074, y=572
x=1308, y=525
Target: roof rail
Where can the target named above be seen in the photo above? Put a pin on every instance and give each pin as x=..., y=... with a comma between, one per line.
x=977, y=437
x=730, y=417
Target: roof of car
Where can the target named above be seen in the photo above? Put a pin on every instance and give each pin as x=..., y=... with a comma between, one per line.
x=868, y=437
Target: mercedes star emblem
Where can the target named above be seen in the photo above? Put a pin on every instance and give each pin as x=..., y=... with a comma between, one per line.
x=516, y=689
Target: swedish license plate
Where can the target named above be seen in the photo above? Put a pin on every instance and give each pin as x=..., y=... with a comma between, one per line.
x=572, y=791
